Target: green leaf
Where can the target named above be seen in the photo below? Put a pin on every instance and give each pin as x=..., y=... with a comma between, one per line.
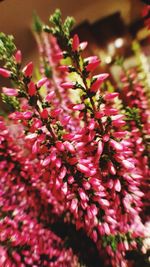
x=37, y=23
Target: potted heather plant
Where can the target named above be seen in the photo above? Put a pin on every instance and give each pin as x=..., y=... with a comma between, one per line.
x=76, y=162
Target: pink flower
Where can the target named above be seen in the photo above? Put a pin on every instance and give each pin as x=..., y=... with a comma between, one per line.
x=31, y=88
x=75, y=43
x=44, y=114
x=58, y=56
x=18, y=57
x=28, y=70
x=82, y=168
x=114, y=144
x=67, y=85
x=46, y=161
x=63, y=68
x=92, y=63
x=109, y=96
x=55, y=112
x=97, y=81
x=50, y=96
x=10, y=91
x=78, y=107
x=5, y=73
x=83, y=45
x=117, y=185
x=41, y=82
x=128, y=165
x=73, y=206
x=27, y=115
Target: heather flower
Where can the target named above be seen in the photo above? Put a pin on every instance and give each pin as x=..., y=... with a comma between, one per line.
x=88, y=171
x=28, y=69
x=10, y=91
x=5, y=73
x=18, y=57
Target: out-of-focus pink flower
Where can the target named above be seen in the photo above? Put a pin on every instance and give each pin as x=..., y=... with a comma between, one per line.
x=10, y=91
x=5, y=73
x=41, y=82
x=67, y=85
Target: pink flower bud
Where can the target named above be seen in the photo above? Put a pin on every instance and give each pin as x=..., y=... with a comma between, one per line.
x=55, y=112
x=50, y=96
x=99, y=114
x=110, y=111
x=63, y=172
x=98, y=80
x=31, y=88
x=78, y=107
x=28, y=70
x=69, y=147
x=104, y=202
x=74, y=203
x=10, y=91
x=86, y=185
x=106, y=228
x=35, y=147
x=70, y=179
x=120, y=134
x=109, y=96
x=117, y=146
x=58, y=56
x=91, y=125
x=99, y=150
x=128, y=165
x=18, y=57
x=83, y=45
x=82, y=168
x=101, y=229
x=41, y=82
x=118, y=123
x=68, y=136
x=82, y=195
x=117, y=185
x=27, y=115
x=67, y=85
x=93, y=65
x=111, y=168
x=31, y=136
x=63, y=68
x=64, y=188
x=5, y=73
x=106, y=137
x=60, y=146
x=16, y=256
x=64, y=120
x=94, y=236
x=44, y=114
x=75, y=43
x=46, y=161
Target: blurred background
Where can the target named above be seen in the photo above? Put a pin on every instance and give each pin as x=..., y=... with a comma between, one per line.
x=109, y=26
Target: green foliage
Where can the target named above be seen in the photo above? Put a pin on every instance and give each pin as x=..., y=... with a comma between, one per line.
x=37, y=24
x=7, y=49
x=59, y=29
x=132, y=114
x=119, y=61
x=12, y=102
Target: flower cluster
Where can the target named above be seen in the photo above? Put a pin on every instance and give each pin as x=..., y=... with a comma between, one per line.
x=136, y=106
x=76, y=155
x=25, y=238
